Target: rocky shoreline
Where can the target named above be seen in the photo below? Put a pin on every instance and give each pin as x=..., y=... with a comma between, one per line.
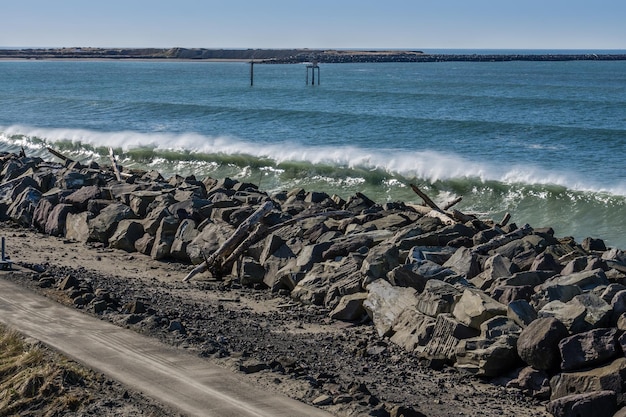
x=288, y=56
x=423, y=295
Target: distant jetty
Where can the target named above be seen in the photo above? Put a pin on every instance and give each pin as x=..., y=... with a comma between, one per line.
x=287, y=56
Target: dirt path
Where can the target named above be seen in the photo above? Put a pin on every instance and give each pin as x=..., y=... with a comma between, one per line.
x=174, y=377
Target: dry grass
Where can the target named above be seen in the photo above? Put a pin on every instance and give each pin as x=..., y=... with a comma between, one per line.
x=33, y=381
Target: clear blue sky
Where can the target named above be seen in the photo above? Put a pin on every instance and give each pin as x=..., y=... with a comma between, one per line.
x=414, y=24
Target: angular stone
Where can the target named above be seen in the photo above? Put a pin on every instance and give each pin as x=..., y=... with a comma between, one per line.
x=586, y=280
x=184, y=235
x=545, y=262
x=538, y=343
x=104, y=224
x=438, y=297
x=496, y=267
x=139, y=201
x=611, y=377
x=210, y=238
x=532, y=382
x=597, y=403
x=506, y=293
x=385, y=303
x=350, y=307
x=415, y=275
x=572, y=315
x=127, y=233
x=487, y=357
x=144, y=244
x=164, y=238
x=380, y=259
x=588, y=349
x=314, y=287
x=41, y=213
x=521, y=312
x=77, y=226
x=55, y=225
x=464, y=262
x=22, y=209
x=447, y=334
x=413, y=330
x=251, y=271
x=554, y=292
x=475, y=307
x=80, y=198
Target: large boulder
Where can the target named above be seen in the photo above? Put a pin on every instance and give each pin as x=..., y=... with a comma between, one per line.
x=447, y=333
x=77, y=226
x=611, y=377
x=22, y=208
x=127, y=233
x=437, y=297
x=385, y=303
x=588, y=349
x=475, y=307
x=380, y=259
x=597, y=403
x=464, y=262
x=164, y=237
x=415, y=275
x=104, y=224
x=55, y=225
x=537, y=345
x=350, y=307
x=412, y=330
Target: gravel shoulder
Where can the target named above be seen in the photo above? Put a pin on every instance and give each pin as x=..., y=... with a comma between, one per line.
x=272, y=342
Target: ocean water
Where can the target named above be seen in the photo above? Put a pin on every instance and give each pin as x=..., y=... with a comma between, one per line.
x=545, y=141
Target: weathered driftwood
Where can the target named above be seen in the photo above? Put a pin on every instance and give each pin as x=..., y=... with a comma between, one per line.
x=418, y=208
x=449, y=204
x=505, y=220
x=430, y=203
x=261, y=232
x=116, y=169
x=502, y=240
x=462, y=217
x=59, y=155
x=215, y=262
x=444, y=217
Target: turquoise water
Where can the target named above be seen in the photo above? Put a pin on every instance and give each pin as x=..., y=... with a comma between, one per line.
x=543, y=140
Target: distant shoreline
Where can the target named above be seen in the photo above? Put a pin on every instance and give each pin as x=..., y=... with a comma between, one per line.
x=285, y=56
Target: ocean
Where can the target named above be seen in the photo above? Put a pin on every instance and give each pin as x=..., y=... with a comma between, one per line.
x=545, y=141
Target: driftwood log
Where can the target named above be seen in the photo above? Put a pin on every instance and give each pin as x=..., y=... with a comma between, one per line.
x=59, y=155
x=502, y=240
x=215, y=262
x=116, y=169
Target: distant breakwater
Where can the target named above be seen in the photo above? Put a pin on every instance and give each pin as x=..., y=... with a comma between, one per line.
x=288, y=56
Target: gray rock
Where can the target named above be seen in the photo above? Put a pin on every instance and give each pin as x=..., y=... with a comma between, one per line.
x=104, y=224
x=586, y=280
x=598, y=403
x=385, y=303
x=250, y=271
x=139, y=201
x=210, y=238
x=554, y=292
x=507, y=293
x=41, y=213
x=55, y=225
x=588, y=349
x=77, y=226
x=447, y=334
x=127, y=233
x=572, y=315
x=144, y=244
x=80, y=198
x=545, y=262
x=611, y=377
x=521, y=312
x=380, y=259
x=475, y=307
x=464, y=262
x=532, y=382
x=487, y=357
x=350, y=307
x=438, y=297
x=412, y=330
x=538, y=343
x=184, y=235
x=22, y=209
x=164, y=238
x=415, y=275
x=495, y=268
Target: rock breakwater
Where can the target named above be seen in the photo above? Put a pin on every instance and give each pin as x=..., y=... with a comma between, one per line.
x=542, y=314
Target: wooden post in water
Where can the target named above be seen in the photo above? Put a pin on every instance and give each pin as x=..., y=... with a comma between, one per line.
x=251, y=73
x=313, y=67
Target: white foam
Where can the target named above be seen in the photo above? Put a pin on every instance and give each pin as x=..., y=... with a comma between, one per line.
x=427, y=164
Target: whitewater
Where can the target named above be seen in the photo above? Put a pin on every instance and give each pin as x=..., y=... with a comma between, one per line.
x=544, y=141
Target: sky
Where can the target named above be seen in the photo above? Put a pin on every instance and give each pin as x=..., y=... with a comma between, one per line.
x=340, y=24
